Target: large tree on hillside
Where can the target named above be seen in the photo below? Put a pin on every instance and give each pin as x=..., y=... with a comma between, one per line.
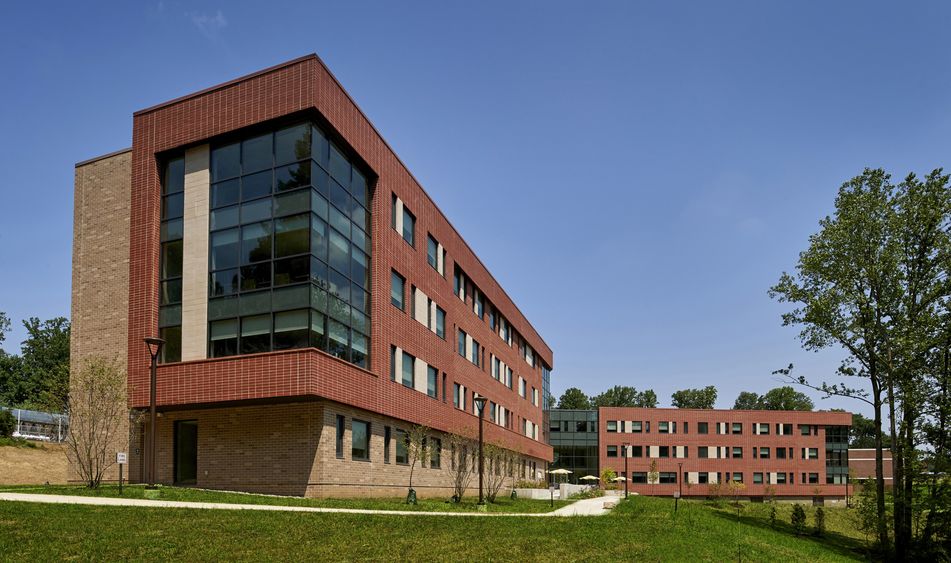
x=574, y=398
x=623, y=396
x=704, y=398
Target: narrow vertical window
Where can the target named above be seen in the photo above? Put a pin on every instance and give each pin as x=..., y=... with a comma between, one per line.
x=397, y=290
x=340, y=429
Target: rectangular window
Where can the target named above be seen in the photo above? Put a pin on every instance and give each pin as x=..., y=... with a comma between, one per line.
x=664, y=451
x=458, y=400
x=402, y=451
x=435, y=451
x=432, y=248
x=476, y=353
x=340, y=429
x=781, y=478
x=764, y=453
x=440, y=323
x=757, y=478
x=737, y=428
x=637, y=451
x=785, y=429
x=360, y=438
x=805, y=429
x=702, y=452
x=462, y=343
x=686, y=428
x=407, y=371
x=637, y=426
x=780, y=453
x=612, y=426
x=737, y=453
x=432, y=382
x=703, y=428
x=667, y=477
x=703, y=477
x=639, y=477
x=387, y=438
x=663, y=427
x=397, y=290
x=813, y=478
x=409, y=226
x=763, y=427
x=612, y=451
x=810, y=453
x=737, y=477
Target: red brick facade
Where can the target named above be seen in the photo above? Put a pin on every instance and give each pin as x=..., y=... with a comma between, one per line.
x=747, y=440
x=305, y=88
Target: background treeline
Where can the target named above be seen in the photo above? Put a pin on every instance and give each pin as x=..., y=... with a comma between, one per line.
x=38, y=377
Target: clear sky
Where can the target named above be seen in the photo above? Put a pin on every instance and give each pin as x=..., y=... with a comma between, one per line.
x=635, y=174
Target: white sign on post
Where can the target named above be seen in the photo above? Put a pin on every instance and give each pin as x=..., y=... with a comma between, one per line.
x=121, y=457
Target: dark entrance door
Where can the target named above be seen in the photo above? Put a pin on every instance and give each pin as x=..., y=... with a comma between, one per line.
x=186, y=452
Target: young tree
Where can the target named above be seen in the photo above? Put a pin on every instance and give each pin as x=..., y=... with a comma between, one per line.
x=97, y=408
x=607, y=478
x=417, y=450
x=499, y=461
x=653, y=475
x=820, y=528
x=798, y=519
x=705, y=398
x=574, y=398
x=461, y=465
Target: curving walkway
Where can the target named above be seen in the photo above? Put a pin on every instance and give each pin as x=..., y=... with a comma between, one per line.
x=585, y=507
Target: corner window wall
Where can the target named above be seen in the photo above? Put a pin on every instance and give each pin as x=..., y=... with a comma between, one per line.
x=170, y=260
x=289, y=249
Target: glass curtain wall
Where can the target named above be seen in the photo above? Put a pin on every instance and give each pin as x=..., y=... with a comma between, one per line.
x=289, y=256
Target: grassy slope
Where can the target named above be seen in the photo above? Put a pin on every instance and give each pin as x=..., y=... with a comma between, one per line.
x=502, y=504
x=24, y=462
x=642, y=529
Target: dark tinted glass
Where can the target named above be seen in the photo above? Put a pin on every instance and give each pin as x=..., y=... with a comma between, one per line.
x=292, y=270
x=256, y=185
x=292, y=176
x=293, y=202
x=339, y=251
x=224, y=282
x=171, y=259
x=292, y=144
x=256, y=154
x=224, y=249
x=339, y=167
x=256, y=276
x=358, y=187
x=173, y=206
x=225, y=162
x=170, y=292
x=225, y=193
x=256, y=242
x=291, y=235
x=174, y=176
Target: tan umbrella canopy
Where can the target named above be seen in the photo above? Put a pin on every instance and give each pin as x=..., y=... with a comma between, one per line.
x=588, y=478
x=560, y=472
x=616, y=479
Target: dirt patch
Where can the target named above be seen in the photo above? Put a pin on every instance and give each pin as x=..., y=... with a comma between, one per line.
x=28, y=466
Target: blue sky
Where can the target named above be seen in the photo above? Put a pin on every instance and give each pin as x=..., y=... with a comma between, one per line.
x=636, y=175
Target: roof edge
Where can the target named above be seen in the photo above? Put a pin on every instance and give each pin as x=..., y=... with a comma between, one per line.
x=102, y=157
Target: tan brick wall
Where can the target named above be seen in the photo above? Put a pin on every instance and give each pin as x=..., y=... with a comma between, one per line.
x=100, y=291
x=290, y=449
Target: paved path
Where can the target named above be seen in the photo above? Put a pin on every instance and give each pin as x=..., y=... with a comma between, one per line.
x=586, y=507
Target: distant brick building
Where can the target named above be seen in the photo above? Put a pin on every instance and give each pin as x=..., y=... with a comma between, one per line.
x=798, y=454
x=315, y=302
x=862, y=464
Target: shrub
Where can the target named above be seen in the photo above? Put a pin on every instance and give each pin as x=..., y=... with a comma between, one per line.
x=7, y=424
x=590, y=493
x=820, y=528
x=798, y=519
x=607, y=477
x=772, y=516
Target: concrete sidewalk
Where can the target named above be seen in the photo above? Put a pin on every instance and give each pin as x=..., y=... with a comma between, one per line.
x=586, y=507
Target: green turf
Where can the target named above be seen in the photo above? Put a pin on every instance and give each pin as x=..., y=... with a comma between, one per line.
x=643, y=529
x=502, y=504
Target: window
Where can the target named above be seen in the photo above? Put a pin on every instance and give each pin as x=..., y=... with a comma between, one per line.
x=737, y=477
x=636, y=426
x=780, y=453
x=360, y=438
x=476, y=354
x=703, y=428
x=639, y=477
x=667, y=477
x=402, y=451
x=781, y=478
x=289, y=253
x=663, y=427
x=458, y=397
x=737, y=428
x=703, y=477
x=663, y=451
x=432, y=252
x=409, y=227
x=761, y=427
x=785, y=429
x=612, y=426
x=637, y=451
x=432, y=382
x=805, y=429
x=440, y=323
x=170, y=260
x=340, y=429
x=407, y=371
x=757, y=478
x=702, y=452
x=521, y=387
x=737, y=453
x=462, y=343
x=685, y=427
x=813, y=478
x=810, y=453
x=612, y=451
x=397, y=290
x=764, y=453
x=435, y=449
x=387, y=438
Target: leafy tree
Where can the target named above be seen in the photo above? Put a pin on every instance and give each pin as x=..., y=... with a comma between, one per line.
x=747, y=400
x=779, y=399
x=798, y=519
x=704, y=398
x=574, y=398
x=653, y=475
x=785, y=399
x=623, y=396
x=7, y=424
x=4, y=328
x=862, y=433
x=463, y=463
x=417, y=450
x=97, y=408
x=39, y=376
x=607, y=477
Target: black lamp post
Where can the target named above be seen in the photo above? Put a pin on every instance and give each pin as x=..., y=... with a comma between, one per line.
x=480, y=404
x=155, y=348
x=627, y=476
x=680, y=483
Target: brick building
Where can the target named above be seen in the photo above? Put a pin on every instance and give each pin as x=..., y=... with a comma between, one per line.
x=862, y=463
x=799, y=454
x=315, y=302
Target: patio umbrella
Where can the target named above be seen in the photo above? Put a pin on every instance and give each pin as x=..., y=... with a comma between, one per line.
x=616, y=479
x=560, y=472
x=588, y=478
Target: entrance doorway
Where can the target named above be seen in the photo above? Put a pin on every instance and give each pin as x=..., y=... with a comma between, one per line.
x=186, y=452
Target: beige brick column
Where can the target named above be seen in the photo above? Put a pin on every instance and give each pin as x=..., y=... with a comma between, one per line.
x=195, y=255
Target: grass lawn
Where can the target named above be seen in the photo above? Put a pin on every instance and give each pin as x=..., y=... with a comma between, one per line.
x=502, y=503
x=639, y=529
